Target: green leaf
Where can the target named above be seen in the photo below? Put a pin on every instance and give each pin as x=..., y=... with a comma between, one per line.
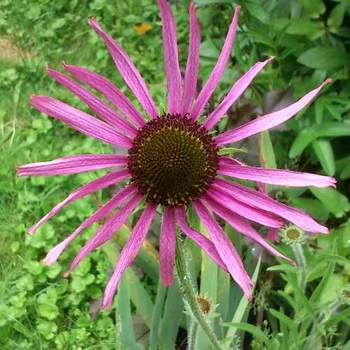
x=333, y=200
x=288, y=322
x=306, y=136
x=325, y=57
x=315, y=7
x=173, y=310
x=267, y=153
x=243, y=305
x=257, y=10
x=124, y=323
x=336, y=17
x=255, y=331
x=324, y=153
x=345, y=173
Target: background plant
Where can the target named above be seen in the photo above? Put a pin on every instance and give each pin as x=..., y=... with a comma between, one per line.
x=294, y=308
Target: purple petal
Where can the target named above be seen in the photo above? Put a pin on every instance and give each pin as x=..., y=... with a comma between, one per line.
x=72, y=165
x=198, y=238
x=225, y=198
x=91, y=187
x=108, y=90
x=115, y=201
x=127, y=69
x=273, y=176
x=192, y=67
x=80, y=121
x=267, y=121
x=107, y=231
x=236, y=91
x=218, y=70
x=167, y=247
x=171, y=60
x=262, y=201
x=242, y=226
x=102, y=109
x=272, y=234
x=225, y=249
x=129, y=252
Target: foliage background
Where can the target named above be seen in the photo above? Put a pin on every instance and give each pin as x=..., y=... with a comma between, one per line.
x=294, y=308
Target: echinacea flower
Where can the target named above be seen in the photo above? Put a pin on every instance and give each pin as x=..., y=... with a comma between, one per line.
x=172, y=160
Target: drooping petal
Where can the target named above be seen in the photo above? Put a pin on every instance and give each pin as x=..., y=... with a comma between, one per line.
x=192, y=66
x=129, y=252
x=115, y=201
x=218, y=70
x=167, y=247
x=107, y=231
x=72, y=165
x=91, y=187
x=80, y=121
x=241, y=208
x=264, y=202
x=127, y=69
x=236, y=91
x=242, y=226
x=273, y=176
x=102, y=109
x=272, y=234
x=198, y=238
x=171, y=60
x=267, y=121
x=225, y=249
x=108, y=90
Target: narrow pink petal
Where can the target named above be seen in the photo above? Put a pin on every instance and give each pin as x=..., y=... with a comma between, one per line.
x=108, y=90
x=218, y=70
x=91, y=187
x=171, y=60
x=72, y=164
x=127, y=69
x=236, y=91
x=167, y=247
x=272, y=234
x=198, y=238
x=115, y=201
x=80, y=121
x=267, y=121
x=241, y=208
x=129, y=252
x=225, y=249
x=273, y=176
x=107, y=231
x=242, y=226
x=102, y=109
x=192, y=66
x=264, y=202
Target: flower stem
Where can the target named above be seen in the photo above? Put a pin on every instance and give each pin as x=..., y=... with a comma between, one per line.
x=189, y=294
x=301, y=261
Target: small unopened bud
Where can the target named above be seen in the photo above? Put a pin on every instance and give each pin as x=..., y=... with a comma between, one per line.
x=345, y=295
x=292, y=234
x=204, y=303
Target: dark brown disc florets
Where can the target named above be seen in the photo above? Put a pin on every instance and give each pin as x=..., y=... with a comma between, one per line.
x=173, y=160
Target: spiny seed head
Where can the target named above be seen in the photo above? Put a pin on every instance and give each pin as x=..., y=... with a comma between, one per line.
x=292, y=234
x=173, y=160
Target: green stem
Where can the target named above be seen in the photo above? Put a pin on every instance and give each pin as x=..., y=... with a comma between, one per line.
x=189, y=294
x=300, y=258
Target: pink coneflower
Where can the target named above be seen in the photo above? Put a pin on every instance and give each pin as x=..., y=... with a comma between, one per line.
x=172, y=160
